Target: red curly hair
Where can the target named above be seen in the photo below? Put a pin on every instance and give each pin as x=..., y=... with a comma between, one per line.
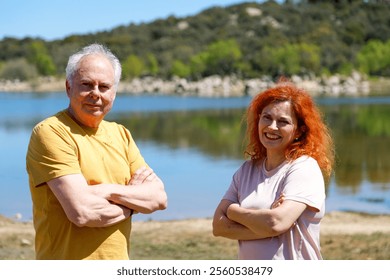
x=315, y=140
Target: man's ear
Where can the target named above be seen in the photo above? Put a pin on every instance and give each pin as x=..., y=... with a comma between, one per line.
x=67, y=86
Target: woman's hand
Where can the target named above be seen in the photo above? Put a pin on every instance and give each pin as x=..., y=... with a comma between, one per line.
x=278, y=202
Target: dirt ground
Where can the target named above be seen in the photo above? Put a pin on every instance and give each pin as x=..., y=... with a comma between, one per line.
x=343, y=236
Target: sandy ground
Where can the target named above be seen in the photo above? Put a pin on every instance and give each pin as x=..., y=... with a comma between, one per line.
x=17, y=238
x=333, y=223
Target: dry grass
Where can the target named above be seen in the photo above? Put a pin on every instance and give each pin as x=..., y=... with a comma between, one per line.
x=345, y=236
x=179, y=240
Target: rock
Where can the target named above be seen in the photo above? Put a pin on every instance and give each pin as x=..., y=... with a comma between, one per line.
x=18, y=216
x=212, y=86
x=25, y=242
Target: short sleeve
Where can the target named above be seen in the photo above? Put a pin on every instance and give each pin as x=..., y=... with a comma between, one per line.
x=136, y=159
x=304, y=183
x=51, y=153
x=232, y=192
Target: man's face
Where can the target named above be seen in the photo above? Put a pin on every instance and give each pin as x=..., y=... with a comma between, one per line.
x=92, y=91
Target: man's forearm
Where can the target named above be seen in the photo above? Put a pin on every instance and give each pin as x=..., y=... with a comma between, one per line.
x=105, y=216
x=144, y=198
x=85, y=205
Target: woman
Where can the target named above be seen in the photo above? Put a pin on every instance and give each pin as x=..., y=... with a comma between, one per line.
x=276, y=200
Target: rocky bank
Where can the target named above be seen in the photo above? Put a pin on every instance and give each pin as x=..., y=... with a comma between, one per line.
x=213, y=86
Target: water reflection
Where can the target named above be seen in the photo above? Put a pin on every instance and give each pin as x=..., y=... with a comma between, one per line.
x=216, y=133
x=196, y=145
x=361, y=134
x=362, y=137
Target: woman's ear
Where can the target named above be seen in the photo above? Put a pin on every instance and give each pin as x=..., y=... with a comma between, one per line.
x=301, y=131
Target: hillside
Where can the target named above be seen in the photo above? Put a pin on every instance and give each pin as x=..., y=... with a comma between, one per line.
x=248, y=40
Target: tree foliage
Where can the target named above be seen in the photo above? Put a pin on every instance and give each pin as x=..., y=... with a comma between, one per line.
x=18, y=69
x=248, y=39
x=374, y=58
x=180, y=69
x=39, y=56
x=132, y=67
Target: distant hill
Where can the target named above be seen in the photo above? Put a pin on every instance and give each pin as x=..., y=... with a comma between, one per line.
x=246, y=40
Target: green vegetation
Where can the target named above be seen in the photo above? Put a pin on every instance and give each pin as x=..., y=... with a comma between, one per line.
x=361, y=134
x=246, y=40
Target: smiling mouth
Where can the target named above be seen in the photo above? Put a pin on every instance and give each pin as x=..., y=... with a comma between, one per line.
x=272, y=136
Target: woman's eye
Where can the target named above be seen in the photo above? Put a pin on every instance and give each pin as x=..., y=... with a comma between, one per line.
x=266, y=117
x=284, y=122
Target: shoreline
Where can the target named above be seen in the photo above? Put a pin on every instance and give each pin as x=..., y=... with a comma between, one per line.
x=344, y=235
x=216, y=86
x=335, y=222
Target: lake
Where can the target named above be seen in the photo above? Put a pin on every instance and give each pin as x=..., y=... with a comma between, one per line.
x=195, y=145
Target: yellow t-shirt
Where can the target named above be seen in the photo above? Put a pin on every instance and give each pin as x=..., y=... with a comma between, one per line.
x=58, y=147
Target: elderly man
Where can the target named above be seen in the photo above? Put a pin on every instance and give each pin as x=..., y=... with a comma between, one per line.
x=87, y=176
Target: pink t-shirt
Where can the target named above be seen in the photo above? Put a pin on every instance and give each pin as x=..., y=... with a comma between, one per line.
x=256, y=188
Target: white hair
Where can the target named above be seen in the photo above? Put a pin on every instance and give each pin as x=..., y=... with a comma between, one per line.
x=74, y=61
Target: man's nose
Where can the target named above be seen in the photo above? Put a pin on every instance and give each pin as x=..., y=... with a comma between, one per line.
x=95, y=93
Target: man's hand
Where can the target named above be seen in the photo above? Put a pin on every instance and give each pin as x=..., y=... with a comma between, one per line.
x=142, y=175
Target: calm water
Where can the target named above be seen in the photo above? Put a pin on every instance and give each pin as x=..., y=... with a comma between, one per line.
x=195, y=145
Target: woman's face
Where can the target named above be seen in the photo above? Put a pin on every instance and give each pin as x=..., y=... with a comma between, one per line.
x=277, y=127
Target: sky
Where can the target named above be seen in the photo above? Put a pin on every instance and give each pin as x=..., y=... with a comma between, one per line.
x=56, y=19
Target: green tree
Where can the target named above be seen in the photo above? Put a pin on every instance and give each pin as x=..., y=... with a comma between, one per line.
x=291, y=59
x=132, y=67
x=39, y=56
x=180, y=69
x=198, y=65
x=287, y=59
x=18, y=69
x=310, y=58
x=374, y=57
x=222, y=57
x=152, y=64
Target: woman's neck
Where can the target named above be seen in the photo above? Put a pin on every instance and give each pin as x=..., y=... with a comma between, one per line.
x=273, y=161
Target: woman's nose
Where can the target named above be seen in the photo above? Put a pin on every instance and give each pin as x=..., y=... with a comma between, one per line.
x=273, y=125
